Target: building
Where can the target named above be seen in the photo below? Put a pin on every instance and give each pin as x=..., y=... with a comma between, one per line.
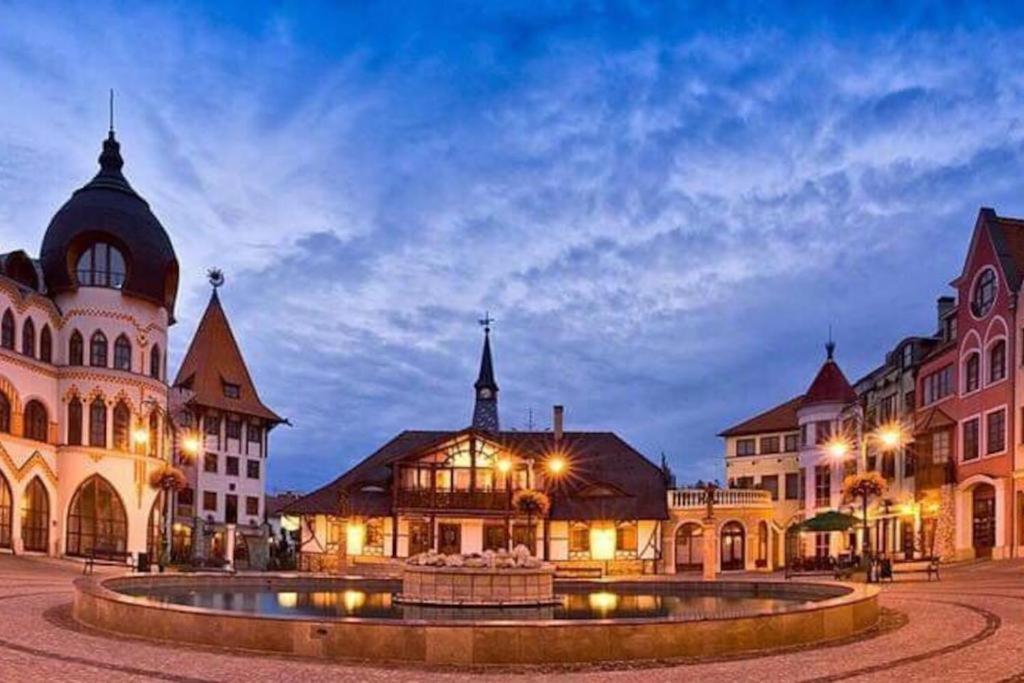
x=83, y=393
x=453, y=491
x=215, y=398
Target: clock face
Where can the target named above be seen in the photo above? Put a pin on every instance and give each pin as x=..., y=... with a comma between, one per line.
x=485, y=393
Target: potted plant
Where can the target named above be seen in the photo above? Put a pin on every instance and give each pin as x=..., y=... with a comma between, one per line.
x=864, y=485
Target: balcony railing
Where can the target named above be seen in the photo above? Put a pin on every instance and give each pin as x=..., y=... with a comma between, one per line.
x=690, y=499
x=454, y=500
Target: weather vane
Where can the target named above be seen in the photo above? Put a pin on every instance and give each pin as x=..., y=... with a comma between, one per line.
x=215, y=276
x=486, y=321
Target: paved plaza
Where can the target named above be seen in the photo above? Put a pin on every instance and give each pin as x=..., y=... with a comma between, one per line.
x=968, y=627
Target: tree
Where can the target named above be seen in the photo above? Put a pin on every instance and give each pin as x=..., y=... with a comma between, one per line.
x=531, y=502
x=864, y=485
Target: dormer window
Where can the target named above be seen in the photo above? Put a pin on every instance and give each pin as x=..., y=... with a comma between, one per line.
x=984, y=293
x=101, y=265
x=232, y=390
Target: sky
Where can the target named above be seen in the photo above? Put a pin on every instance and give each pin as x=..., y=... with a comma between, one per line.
x=663, y=206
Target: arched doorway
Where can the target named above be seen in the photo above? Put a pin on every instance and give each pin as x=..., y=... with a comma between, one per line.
x=6, y=512
x=35, y=517
x=733, y=542
x=762, y=544
x=689, y=547
x=96, y=519
x=155, y=529
x=983, y=519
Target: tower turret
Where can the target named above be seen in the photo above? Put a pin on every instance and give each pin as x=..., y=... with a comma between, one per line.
x=485, y=411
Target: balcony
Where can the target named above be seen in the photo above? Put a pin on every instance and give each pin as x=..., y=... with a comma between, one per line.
x=692, y=499
x=486, y=501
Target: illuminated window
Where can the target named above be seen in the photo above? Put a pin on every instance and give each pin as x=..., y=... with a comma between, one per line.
x=972, y=372
x=579, y=537
x=997, y=361
x=96, y=519
x=995, y=431
x=98, y=350
x=970, y=438
x=35, y=421
x=984, y=293
x=625, y=537
x=76, y=349
x=75, y=422
x=101, y=265
x=98, y=423
x=122, y=425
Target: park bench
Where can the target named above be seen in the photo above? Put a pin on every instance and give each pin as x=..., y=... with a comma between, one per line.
x=924, y=565
x=108, y=556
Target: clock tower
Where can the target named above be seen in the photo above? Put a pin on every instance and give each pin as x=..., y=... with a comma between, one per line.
x=485, y=412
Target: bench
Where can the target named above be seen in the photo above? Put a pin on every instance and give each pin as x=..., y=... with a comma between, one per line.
x=925, y=565
x=107, y=556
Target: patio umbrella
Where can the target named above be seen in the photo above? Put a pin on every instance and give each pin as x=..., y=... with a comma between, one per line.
x=829, y=521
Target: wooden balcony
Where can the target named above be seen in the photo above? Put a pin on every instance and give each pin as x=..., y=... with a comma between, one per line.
x=478, y=501
x=691, y=499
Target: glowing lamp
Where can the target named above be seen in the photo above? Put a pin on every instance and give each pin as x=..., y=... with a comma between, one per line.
x=288, y=599
x=603, y=602
x=556, y=464
x=290, y=522
x=933, y=508
x=837, y=448
x=140, y=436
x=190, y=445
x=504, y=466
x=890, y=436
x=602, y=543
x=355, y=538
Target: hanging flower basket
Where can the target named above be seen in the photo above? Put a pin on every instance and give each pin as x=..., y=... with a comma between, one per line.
x=531, y=502
x=168, y=478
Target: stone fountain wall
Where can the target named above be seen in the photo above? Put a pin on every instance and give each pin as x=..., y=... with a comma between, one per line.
x=478, y=585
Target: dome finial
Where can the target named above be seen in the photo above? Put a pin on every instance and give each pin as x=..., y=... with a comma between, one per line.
x=830, y=346
x=216, y=278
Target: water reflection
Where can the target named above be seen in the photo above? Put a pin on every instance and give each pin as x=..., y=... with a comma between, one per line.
x=375, y=600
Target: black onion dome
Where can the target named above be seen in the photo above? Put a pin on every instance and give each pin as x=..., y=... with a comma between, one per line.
x=107, y=209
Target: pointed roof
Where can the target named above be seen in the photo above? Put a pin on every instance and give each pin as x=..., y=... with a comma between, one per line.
x=213, y=360
x=830, y=385
x=485, y=380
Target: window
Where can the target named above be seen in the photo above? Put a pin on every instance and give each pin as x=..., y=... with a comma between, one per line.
x=744, y=482
x=908, y=355
x=625, y=537
x=822, y=431
x=154, y=432
x=5, y=414
x=909, y=401
x=231, y=466
x=888, y=406
x=792, y=486
x=938, y=385
x=495, y=537
x=949, y=330
x=122, y=426
x=252, y=469
x=941, y=444
x=995, y=432
x=972, y=372
x=210, y=501
x=210, y=463
x=101, y=265
x=28, y=338
x=889, y=465
x=254, y=432
x=252, y=506
x=746, y=447
x=232, y=390
x=75, y=349
x=185, y=496
x=822, y=486
x=984, y=293
x=770, y=444
x=997, y=361
x=122, y=353
x=98, y=350
x=96, y=519
x=770, y=483
x=803, y=435
x=154, y=362
x=212, y=425
x=909, y=464
x=791, y=443
x=98, y=423
x=970, y=431
x=579, y=537
x=234, y=429
x=46, y=345
x=75, y=422
x=7, y=330
x=35, y=421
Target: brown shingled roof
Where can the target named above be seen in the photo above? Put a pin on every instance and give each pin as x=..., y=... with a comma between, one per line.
x=595, y=458
x=213, y=360
x=830, y=385
x=781, y=418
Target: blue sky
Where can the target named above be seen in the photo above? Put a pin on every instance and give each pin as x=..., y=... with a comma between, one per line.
x=664, y=206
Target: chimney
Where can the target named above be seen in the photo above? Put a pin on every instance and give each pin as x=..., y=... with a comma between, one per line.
x=943, y=306
x=558, y=422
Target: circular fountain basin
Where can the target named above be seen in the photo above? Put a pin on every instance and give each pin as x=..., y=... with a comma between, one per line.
x=478, y=586
x=336, y=618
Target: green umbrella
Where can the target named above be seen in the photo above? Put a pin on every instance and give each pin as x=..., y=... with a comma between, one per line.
x=829, y=521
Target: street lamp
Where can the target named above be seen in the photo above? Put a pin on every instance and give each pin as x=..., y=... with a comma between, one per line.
x=557, y=465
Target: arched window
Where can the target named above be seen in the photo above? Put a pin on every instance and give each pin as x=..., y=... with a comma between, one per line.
x=98, y=350
x=155, y=529
x=35, y=517
x=6, y=512
x=154, y=362
x=96, y=519
x=997, y=361
x=7, y=330
x=122, y=353
x=35, y=421
x=733, y=541
x=984, y=294
x=122, y=426
x=46, y=345
x=76, y=354
x=154, y=433
x=98, y=423
x=75, y=422
x=101, y=265
x=28, y=338
x=5, y=413
x=972, y=372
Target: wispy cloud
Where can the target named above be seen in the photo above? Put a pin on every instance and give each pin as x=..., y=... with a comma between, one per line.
x=663, y=209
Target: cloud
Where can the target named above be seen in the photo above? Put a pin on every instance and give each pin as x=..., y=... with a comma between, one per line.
x=663, y=211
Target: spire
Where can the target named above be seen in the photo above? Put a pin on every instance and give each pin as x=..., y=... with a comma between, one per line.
x=111, y=163
x=830, y=384
x=485, y=412
x=830, y=346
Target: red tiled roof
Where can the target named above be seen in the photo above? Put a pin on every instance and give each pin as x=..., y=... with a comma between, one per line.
x=829, y=386
x=213, y=360
x=781, y=418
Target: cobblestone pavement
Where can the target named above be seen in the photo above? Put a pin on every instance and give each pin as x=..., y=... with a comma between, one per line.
x=968, y=627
